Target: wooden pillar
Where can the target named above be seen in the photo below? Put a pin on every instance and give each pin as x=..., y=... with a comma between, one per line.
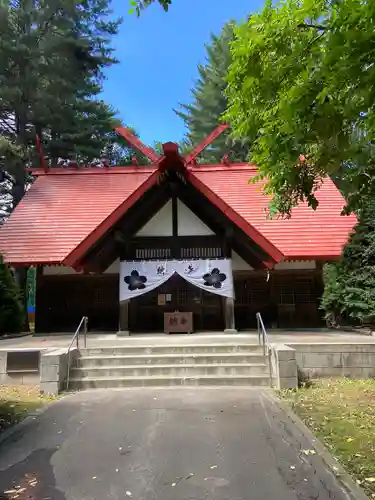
x=38, y=285
x=124, y=319
x=319, y=289
x=273, y=300
x=230, y=326
x=229, y=302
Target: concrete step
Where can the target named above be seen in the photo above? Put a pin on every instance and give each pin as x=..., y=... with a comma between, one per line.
x=165, y=381
x=172, y=349
x=184, y=370
x=168, y=359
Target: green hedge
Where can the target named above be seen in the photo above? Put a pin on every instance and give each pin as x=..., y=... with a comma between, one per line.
x=11, y=309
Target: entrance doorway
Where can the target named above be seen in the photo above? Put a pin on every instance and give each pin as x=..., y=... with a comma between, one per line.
x=146, y=313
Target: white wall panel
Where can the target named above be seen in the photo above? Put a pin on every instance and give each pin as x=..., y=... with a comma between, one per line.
x=296, y=264
x=238, y=264
x=189, y=224
x=160, y=224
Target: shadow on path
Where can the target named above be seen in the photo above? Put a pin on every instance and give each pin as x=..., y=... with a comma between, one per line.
x=31, y=479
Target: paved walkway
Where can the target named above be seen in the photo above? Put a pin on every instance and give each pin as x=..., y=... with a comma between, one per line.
x=163, y=444
x=109, y=339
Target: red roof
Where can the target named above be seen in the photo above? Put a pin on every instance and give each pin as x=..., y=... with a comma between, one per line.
x=59, y=211
x=63, y=214
x=314, y=234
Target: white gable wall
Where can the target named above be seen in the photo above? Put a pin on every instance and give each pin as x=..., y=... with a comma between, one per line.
x=238, y=264
x=189, y=224
x=160, y=224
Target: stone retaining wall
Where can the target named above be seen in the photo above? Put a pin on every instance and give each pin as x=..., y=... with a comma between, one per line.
x=284, y=367
x=321, y=360
x=336, y=360
x=50, y=374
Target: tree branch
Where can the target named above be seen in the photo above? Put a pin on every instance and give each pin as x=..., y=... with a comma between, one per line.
x=318, y=27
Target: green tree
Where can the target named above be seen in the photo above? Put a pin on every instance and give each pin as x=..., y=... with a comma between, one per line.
x=52, y=57
x=350, y=283
x=139, y=5
x=11, y=310
x=301, y=91
x=209, y=102
x=119, y=152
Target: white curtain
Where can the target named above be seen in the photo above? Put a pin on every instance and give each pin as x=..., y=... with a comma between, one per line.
x=137, y=278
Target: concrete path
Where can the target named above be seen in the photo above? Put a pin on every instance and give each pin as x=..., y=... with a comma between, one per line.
x=111, y=340
x=163, y=444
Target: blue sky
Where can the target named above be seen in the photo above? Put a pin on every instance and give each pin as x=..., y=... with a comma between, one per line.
x=158, y=55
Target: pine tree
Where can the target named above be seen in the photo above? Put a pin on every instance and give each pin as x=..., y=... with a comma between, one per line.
x=209, y=102
x=11, y=310
x=52, y=56
x=349, y=292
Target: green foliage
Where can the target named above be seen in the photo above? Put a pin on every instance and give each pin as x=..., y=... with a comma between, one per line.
x=119, y=152
x=350, y=283
x=137, y=6
x=209, y=102
x=301, y=91
x=11, y=310
x=52, y=57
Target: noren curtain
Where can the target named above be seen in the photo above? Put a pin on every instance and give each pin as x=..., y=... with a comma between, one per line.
x=137, y=278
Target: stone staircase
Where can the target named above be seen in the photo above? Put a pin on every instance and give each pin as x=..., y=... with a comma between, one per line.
x=211, y=364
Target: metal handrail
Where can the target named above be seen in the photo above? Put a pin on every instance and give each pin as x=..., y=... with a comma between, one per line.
x=264, y=340
x=84, y=322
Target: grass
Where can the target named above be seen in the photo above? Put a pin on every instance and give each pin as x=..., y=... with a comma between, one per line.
x=341, y=412
x=17, y=401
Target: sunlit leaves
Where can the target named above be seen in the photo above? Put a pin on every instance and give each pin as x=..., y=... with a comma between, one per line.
x=302, y=81
x=136, y=6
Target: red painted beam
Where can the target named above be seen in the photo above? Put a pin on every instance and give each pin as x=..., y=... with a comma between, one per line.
x=39, y=148
x=232, y=215
x=207, y=141
x=137, y=144
x=131, y=169
x=75, y=257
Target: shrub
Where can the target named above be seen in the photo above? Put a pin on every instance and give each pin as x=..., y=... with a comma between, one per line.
x=11, y=309
x=350, y=283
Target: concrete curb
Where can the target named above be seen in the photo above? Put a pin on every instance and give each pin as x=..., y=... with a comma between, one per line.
x=351, y=488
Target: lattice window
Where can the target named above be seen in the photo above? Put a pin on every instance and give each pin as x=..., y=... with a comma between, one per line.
x=153, y=253
x=201, y=253
x=292, y=290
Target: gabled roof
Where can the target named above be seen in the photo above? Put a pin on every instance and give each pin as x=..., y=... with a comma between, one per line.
x=65, y=212
x=59, y=211
x=308, y=234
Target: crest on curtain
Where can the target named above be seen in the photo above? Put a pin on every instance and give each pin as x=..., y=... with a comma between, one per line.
x=137, y=278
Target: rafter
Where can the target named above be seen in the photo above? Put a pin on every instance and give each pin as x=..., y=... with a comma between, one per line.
x=138, y=144
x=42, y=158
x=206, y=142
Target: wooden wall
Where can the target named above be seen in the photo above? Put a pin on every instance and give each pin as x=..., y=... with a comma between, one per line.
x=288, y=299
x=146, y=315
x=61, y=301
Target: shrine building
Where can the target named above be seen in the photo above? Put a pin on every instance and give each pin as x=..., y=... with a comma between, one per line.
x=125, y=246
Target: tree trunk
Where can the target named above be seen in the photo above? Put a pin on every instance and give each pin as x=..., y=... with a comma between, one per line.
x=18, y=192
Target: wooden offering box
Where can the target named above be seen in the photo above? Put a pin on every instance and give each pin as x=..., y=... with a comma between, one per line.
x=178, y=322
